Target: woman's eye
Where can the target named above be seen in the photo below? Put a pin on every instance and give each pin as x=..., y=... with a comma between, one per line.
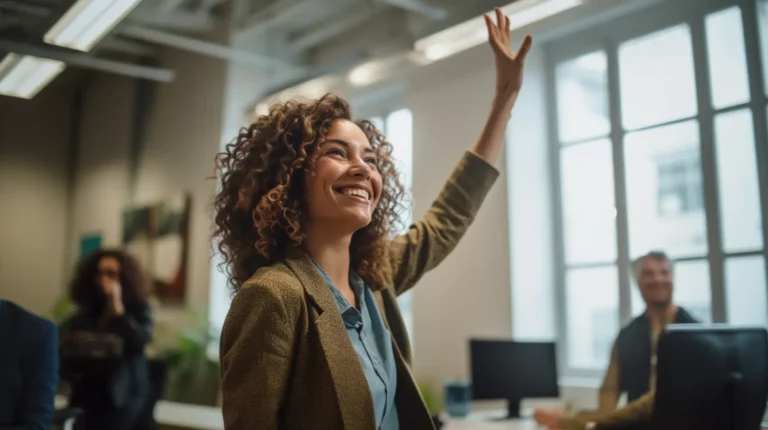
x=335, y=151
x=371, y=161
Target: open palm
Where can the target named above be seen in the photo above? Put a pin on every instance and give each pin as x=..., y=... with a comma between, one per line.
x=509, y=64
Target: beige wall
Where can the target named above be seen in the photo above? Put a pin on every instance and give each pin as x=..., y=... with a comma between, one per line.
x=469, y=293
x=101, y=173
x=35, y=137
x=182, y=136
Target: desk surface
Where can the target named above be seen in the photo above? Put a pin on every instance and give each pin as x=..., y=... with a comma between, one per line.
x=183, y=415
x=522, y=424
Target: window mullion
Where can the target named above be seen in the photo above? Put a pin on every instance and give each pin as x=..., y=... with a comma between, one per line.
x=709, y=167
x=619, y=180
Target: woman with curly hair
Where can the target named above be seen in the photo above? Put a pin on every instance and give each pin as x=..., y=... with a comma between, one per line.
x=305, y=219
x=102, y=348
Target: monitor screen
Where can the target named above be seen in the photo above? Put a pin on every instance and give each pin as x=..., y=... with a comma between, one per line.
x=503, y=369
x=711, y=377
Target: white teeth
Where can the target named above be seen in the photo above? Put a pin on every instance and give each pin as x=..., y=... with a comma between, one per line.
x=356, y=192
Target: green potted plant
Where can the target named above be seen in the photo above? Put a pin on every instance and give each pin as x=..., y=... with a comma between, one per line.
x=433, y=399
x=62, y=309
x=193, y=374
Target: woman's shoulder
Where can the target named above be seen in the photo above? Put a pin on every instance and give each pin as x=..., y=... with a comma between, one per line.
x=276, y=281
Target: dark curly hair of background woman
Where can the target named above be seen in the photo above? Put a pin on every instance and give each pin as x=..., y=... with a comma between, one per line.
x=85, y=292
x=259, y=209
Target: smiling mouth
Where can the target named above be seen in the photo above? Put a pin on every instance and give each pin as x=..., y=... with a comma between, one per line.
x=355, y=193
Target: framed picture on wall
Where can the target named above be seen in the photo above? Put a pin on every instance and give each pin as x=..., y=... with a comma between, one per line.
x=157, y=236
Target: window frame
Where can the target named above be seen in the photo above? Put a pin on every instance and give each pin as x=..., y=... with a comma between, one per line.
x=607, y=38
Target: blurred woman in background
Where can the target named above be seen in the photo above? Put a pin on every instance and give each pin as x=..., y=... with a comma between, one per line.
x=102, y=349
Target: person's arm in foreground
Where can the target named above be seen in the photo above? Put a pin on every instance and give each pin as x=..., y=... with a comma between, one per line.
x=610, y=391
x=637, y=412
x=41, y=379
x=256, y=345
x=430, y=240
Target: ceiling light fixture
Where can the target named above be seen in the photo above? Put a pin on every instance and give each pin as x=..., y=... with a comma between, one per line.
x=87, y=22
x=472, y=33
x=363, y=75
x=24, y=76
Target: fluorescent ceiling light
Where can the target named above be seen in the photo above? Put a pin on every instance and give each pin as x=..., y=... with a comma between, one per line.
x=363, y=75
x=24, y=76
x=473, y=32
x=372, y=71
x=87, y=22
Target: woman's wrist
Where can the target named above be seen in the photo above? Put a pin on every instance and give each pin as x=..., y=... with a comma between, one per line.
x=504, y=103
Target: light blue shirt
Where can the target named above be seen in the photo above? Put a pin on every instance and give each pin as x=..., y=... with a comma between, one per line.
x=373, y=347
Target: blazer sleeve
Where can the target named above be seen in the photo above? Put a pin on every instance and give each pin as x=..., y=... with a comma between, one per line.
x=429, y=241
x=610, y=390
x=256, y=348
x=41, y=379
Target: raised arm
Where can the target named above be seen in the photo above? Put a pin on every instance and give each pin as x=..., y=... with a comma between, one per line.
x=430, y=240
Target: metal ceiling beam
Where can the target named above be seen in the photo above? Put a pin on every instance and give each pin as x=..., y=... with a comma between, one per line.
x=78, y=59
x=127, y=47
x=171, y=5
x=261, y=20
x=315, y=37
x=203, y=48
x=196, y=22
x=29, y=9
x=419, y=6
x=209, y=4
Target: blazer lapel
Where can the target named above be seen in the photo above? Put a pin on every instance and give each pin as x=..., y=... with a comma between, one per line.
x=349, y=383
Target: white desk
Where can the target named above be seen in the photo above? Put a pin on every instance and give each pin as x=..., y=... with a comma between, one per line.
x=189, y=416
x=521, y=424
x=491, y=420
x=184, y=415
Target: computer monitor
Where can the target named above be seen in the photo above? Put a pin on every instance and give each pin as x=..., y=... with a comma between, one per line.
x=503, y=369
x=711, y=377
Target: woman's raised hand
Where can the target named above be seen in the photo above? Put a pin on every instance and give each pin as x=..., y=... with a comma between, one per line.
x=509, y=64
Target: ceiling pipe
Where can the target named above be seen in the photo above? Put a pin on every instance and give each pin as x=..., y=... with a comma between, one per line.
x=336, y=27
x=78, y=59
x=260, y=21
x=419, y=6
x=203, y=48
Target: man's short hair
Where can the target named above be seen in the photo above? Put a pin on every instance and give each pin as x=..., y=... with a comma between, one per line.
x=653, y=255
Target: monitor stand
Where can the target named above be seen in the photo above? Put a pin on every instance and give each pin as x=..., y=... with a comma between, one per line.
x=513, y=410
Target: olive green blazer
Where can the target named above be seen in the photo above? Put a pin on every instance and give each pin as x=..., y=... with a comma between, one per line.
x=286, y=359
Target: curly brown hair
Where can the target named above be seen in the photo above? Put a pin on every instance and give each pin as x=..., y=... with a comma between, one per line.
x=259, y=208
x=85, y=293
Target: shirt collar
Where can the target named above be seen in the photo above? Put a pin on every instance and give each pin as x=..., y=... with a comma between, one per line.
x=357, y=284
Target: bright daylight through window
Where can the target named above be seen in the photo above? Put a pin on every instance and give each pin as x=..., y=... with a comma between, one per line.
x=687, y=180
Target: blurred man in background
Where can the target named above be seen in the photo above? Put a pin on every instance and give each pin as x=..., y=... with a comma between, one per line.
x=633, y=358
x=29, y=369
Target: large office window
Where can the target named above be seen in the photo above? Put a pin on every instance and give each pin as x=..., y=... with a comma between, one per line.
x=660, y=144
